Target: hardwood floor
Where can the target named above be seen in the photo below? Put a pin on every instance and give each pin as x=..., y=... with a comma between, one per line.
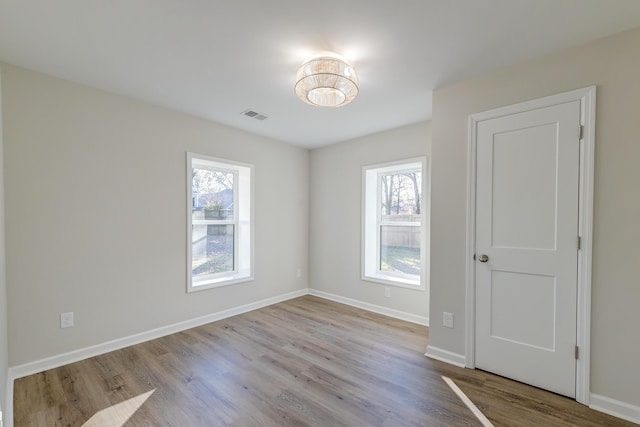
x=303, y=362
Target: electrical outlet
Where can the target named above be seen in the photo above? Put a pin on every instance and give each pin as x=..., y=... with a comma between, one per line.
x=66, y=320
x=387, y=292
x=299, y=273
x=447, y=320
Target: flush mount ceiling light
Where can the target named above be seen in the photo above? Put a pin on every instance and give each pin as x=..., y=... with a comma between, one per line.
x=326, y=81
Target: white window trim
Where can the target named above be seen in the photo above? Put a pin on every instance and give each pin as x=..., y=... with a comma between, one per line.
x=370, y=223
x=243, y=220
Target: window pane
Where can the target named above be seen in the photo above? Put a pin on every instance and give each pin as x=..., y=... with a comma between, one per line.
x=212, y=249
x=400, y=249
x=212, y=193
x=400, y=194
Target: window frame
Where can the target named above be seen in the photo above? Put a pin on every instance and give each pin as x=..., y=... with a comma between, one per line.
x=242, y=221
x=372, y=223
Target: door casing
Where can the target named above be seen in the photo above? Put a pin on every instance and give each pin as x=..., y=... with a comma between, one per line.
x=587, y=98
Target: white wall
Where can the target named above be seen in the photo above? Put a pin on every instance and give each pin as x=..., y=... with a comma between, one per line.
x=4, y=352
x=613, y=64
x=96, y=217
x=336, y=215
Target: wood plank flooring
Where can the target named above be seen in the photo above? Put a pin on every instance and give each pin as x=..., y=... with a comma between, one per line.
x=303, y=362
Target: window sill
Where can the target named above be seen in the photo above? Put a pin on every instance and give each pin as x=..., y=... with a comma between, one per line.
x=395, y=281
x=218, y=282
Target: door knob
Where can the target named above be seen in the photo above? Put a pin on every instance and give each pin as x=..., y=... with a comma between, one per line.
x=483, y=258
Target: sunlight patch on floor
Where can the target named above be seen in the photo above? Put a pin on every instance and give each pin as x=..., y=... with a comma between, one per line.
x=118, y=414
x=472, y=407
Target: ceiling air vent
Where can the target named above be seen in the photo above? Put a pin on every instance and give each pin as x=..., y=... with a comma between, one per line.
x=255, y=115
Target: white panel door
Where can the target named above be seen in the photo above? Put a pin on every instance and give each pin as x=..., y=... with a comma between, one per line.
x=526, y=246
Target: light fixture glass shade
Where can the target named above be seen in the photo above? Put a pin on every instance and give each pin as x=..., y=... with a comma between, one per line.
x=326, y=82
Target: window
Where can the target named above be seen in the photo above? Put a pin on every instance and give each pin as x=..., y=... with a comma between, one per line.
x=219, y=229
x=395, y=225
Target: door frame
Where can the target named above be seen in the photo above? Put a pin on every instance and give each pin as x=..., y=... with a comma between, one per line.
x=587, y=98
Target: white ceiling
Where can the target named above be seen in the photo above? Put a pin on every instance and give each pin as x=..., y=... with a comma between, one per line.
x=216, y=58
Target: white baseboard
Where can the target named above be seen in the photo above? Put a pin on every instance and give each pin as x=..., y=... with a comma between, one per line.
x=397, y=314
x=36, y=366
x=56, y=361
x=616, y=408
x=446, y=356
x=599, y=403
x=95, y=350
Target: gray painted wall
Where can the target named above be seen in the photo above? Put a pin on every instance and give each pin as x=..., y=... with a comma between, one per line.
x=96, y=217
x=335, y=224
x=613, y=64
x=4, y=352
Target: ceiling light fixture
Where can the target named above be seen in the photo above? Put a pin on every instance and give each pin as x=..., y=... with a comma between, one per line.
x=326, y=81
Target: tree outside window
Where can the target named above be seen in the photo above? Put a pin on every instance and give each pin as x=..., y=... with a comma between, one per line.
x=394, y=231
x=219, y=222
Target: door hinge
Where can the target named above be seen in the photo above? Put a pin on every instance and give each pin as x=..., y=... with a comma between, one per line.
x=577, y=352
x=579, y=243
x=580, y=132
